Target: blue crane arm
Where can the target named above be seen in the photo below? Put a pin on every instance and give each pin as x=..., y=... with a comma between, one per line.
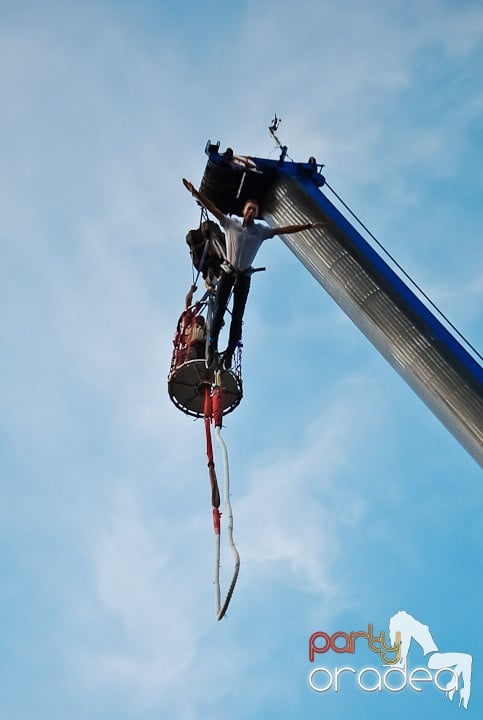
x=445, y=375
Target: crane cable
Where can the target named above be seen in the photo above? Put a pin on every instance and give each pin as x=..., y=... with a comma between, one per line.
x=406, y=274
x=213, y=410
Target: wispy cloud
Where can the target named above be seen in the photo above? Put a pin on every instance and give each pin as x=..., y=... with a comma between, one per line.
x=149, y=593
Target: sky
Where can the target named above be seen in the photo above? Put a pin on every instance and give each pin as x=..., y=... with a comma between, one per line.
x=351, y=501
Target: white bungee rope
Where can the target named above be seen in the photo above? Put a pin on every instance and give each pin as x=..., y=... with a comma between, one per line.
x=221, y=609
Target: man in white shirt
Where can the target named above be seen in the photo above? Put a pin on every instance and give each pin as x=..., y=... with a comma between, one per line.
x=243, y=240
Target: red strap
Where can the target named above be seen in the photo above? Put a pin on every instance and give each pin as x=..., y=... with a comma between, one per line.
x=217, y=521
x=217, y=402
x=207, y=405
x=207, y=410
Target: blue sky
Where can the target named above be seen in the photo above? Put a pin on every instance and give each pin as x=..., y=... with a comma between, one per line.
x=350, y=499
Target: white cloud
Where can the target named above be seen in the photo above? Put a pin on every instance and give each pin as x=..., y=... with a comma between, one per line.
x=150, y=598
x=290, y=526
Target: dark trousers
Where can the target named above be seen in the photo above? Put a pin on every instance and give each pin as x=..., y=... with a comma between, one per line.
x=240, y=282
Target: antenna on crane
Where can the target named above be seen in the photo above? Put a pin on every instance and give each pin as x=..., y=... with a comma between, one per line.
x=273, y=127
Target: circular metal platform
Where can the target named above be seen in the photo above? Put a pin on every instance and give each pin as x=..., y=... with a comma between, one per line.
x=186, y=387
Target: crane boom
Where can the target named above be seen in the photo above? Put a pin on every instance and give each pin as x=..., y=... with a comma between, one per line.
x=444, y=374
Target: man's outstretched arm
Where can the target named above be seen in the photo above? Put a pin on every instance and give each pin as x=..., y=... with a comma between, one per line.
x=206, y=202
x=289, y=229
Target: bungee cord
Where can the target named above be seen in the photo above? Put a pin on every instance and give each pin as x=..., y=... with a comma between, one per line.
x=213, y=412
x=221, y=609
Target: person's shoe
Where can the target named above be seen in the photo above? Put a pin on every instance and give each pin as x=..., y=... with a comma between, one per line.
x=210, y=282
x=227, y=360
x=210, y=355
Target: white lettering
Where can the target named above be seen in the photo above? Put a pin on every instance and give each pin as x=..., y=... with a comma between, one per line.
x=311, y=679
x=413, y=679
x=321, y=679
x=378, y=685
x=447, y=687
x=401, y=671
x=339, y=671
